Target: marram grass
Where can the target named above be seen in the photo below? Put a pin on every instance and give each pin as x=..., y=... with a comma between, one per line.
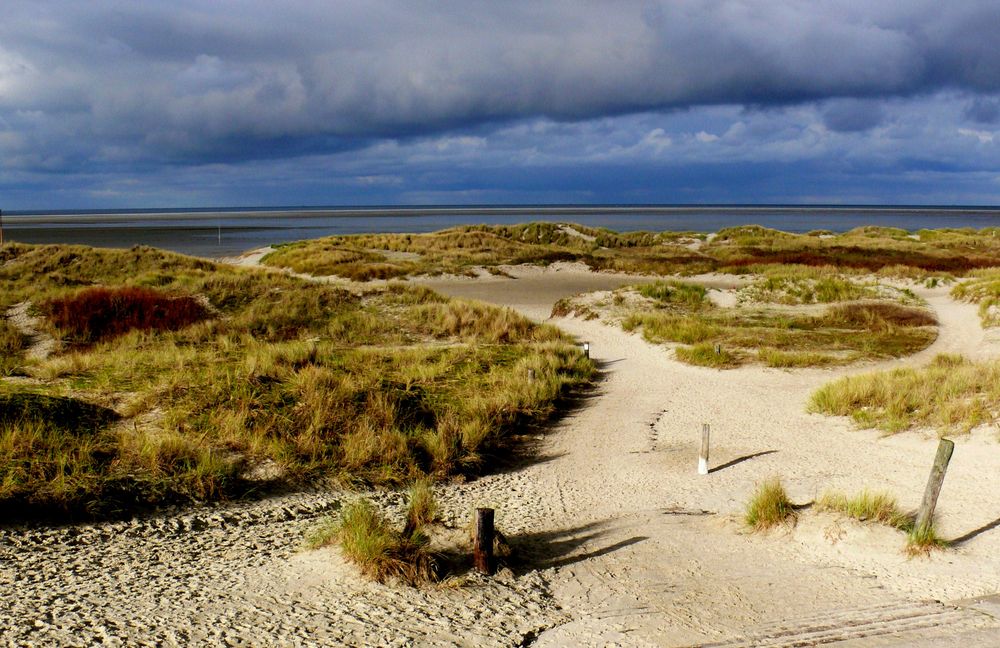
x=312, y=381
x=769, y=506
x=951, y=394
x=867, y=506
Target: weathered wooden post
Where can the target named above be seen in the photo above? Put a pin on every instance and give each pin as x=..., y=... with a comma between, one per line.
x=718, y=349
x=586, y=349
x=703, y=455
x=482, y=547
x=926, y=514
x=531, y=375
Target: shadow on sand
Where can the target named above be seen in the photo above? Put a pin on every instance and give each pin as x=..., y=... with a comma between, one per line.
x=739, y=460
x=564, y=547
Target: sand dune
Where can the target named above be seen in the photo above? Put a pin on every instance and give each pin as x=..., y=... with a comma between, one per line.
x=627, y=545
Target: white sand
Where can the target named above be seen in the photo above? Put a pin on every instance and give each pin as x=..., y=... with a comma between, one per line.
x=629, y=546
x=628, y=457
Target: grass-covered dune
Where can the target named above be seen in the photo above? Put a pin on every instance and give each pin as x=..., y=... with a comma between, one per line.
x=889, y=251
x=952, y=395
x=845, y=331
x=210, y=381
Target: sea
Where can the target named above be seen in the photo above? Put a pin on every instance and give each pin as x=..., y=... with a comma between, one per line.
x=228, y=232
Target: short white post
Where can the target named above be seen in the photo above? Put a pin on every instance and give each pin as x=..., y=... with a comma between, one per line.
x=586, y=349
x=531, y=375
x=703, y=455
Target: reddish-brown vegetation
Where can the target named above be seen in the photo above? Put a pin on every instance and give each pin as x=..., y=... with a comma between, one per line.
x=96, y=314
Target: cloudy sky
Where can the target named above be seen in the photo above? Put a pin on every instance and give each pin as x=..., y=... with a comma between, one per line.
x=194, y=103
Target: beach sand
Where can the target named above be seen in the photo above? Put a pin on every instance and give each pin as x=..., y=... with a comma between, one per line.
x=624, y=543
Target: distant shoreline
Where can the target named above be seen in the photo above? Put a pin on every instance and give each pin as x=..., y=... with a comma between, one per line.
x=111, y=216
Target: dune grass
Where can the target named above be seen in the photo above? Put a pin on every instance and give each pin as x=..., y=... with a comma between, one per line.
x=794, y=285
x=921, y=541
x=982, y=289
x=769, y=506
x=422, y=508
x=367, y=538
x=12, y=345
x=749, y=249
x=316, y=383
x=867, y=506
x=843, y=333
x=952, y=395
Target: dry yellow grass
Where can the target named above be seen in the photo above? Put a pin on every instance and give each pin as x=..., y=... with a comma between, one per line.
x=951, y=394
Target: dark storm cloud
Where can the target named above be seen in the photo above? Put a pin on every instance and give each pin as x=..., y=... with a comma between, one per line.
x=853, y=115
x=984, y=110
x=170, y=79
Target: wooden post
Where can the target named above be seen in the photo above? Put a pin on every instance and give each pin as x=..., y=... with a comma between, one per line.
x=586, y=349
x=703, y=455
x=926, y=514
x=531, y=375
x=718, y=349
x=482, y=548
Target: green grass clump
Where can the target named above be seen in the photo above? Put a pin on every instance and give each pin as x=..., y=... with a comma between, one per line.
x=368, y=540
x=881, y=508
x=769, y=506
x=422, y=508
x=951, y=394
x=922, y=540
x=674, y=292
x=867, y=506
x=704, y=355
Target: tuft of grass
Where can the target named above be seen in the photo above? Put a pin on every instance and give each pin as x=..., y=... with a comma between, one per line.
x=867, y=506
x=769, y=506
x=794, y=359
x=674, y=292
x=920, y=541
x=951, y=394
x=422, y=509
x=704, y=355
x=368, y=540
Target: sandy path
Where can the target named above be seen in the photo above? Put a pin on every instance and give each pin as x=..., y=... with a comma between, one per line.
x=666, y=563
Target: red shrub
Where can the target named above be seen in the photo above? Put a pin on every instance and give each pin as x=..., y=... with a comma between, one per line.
x=101, y=313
